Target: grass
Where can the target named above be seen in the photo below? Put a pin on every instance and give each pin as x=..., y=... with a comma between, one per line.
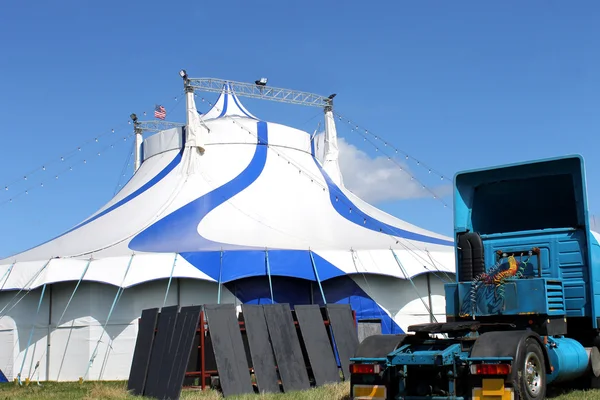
x=117, y=391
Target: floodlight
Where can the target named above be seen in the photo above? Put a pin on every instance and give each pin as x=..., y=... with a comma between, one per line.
x=261, y=82
x=133, y=117
x=183, y=74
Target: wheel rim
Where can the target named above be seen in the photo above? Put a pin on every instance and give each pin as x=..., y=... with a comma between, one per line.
x=533, y=377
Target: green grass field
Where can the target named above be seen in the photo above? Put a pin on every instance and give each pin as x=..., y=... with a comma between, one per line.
x=117, y=390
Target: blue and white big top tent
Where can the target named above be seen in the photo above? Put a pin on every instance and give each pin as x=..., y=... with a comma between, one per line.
x=228, y=208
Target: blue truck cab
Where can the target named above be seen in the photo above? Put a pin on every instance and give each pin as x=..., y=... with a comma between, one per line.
x=524, y=311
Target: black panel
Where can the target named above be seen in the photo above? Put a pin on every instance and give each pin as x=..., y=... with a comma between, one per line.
x=344, y=333
x=234, y=375
x=261, y=352
x=162, y=342
x=286, y=347
x=142, y=351
x=187, y=324
x=377, y=346
x=317, y=344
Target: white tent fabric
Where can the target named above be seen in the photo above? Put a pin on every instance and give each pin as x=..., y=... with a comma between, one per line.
x=256, y=201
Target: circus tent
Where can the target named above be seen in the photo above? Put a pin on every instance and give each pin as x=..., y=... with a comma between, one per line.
x=228, y=208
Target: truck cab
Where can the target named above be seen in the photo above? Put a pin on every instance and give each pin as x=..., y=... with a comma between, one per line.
x=524, y=311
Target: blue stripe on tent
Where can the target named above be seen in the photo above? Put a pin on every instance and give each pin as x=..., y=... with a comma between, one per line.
x=178, y=231
x=341, y=290
x=341, y=203
x=239, y=264
x=157, y=178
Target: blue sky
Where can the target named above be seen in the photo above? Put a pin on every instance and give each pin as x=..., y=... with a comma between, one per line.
x=457, y=85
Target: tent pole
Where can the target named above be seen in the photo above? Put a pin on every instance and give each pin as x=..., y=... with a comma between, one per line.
x=170, y=279
x=269, y=274
x=312, y=260
x=220, y=276
x=31, y=332
x=49, y=334
x=112, y=308
x=431, y=316
x=139, y=140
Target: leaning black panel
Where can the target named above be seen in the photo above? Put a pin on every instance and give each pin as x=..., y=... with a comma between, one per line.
x=344, y=334
x=261, y=352
x=286, y=347
x=142, y=351
x=232, y=366
x=317, y=344
x=162, y=341
x=187, y=324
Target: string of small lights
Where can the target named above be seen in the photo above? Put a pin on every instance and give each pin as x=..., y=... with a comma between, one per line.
x=407, y=172
x=370, y=137
x=12, y=187
x=56, y=176
x=387, y=144
x=124, y=170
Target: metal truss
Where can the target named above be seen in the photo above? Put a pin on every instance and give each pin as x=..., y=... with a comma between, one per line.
x=158, y=125
x=262, y=92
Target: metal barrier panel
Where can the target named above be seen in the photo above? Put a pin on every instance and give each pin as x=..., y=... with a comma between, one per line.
x=142, y=351
x=261, y=352
x=286, y=346
x=344, y=334
x=317, y=344
x=232, y=366
x=162, y=342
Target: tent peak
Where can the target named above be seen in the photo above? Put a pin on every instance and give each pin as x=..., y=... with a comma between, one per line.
x=228, y=105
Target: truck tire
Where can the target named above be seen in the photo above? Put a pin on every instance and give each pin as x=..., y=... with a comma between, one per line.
x=531, y=371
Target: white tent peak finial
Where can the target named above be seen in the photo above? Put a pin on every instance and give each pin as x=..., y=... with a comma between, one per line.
x=228, y=105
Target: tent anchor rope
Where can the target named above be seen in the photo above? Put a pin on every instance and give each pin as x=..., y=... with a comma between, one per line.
x=354, y=256
x=31, y=332
x=29, y=282
x=414, y=286
x=112, y=308
x=7, y=273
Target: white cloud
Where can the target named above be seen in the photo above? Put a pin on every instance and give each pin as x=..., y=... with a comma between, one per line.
x=378, y=179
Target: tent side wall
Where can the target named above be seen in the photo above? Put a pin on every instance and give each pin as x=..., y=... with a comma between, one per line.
x=84, y=332
x=84, y=327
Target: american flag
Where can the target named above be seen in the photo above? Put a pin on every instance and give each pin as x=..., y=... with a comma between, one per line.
x=160, y=112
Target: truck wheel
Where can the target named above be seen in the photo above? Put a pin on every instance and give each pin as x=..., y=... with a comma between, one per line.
x=531, y=372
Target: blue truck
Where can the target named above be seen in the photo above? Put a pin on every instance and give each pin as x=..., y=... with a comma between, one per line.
x=524, y=311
